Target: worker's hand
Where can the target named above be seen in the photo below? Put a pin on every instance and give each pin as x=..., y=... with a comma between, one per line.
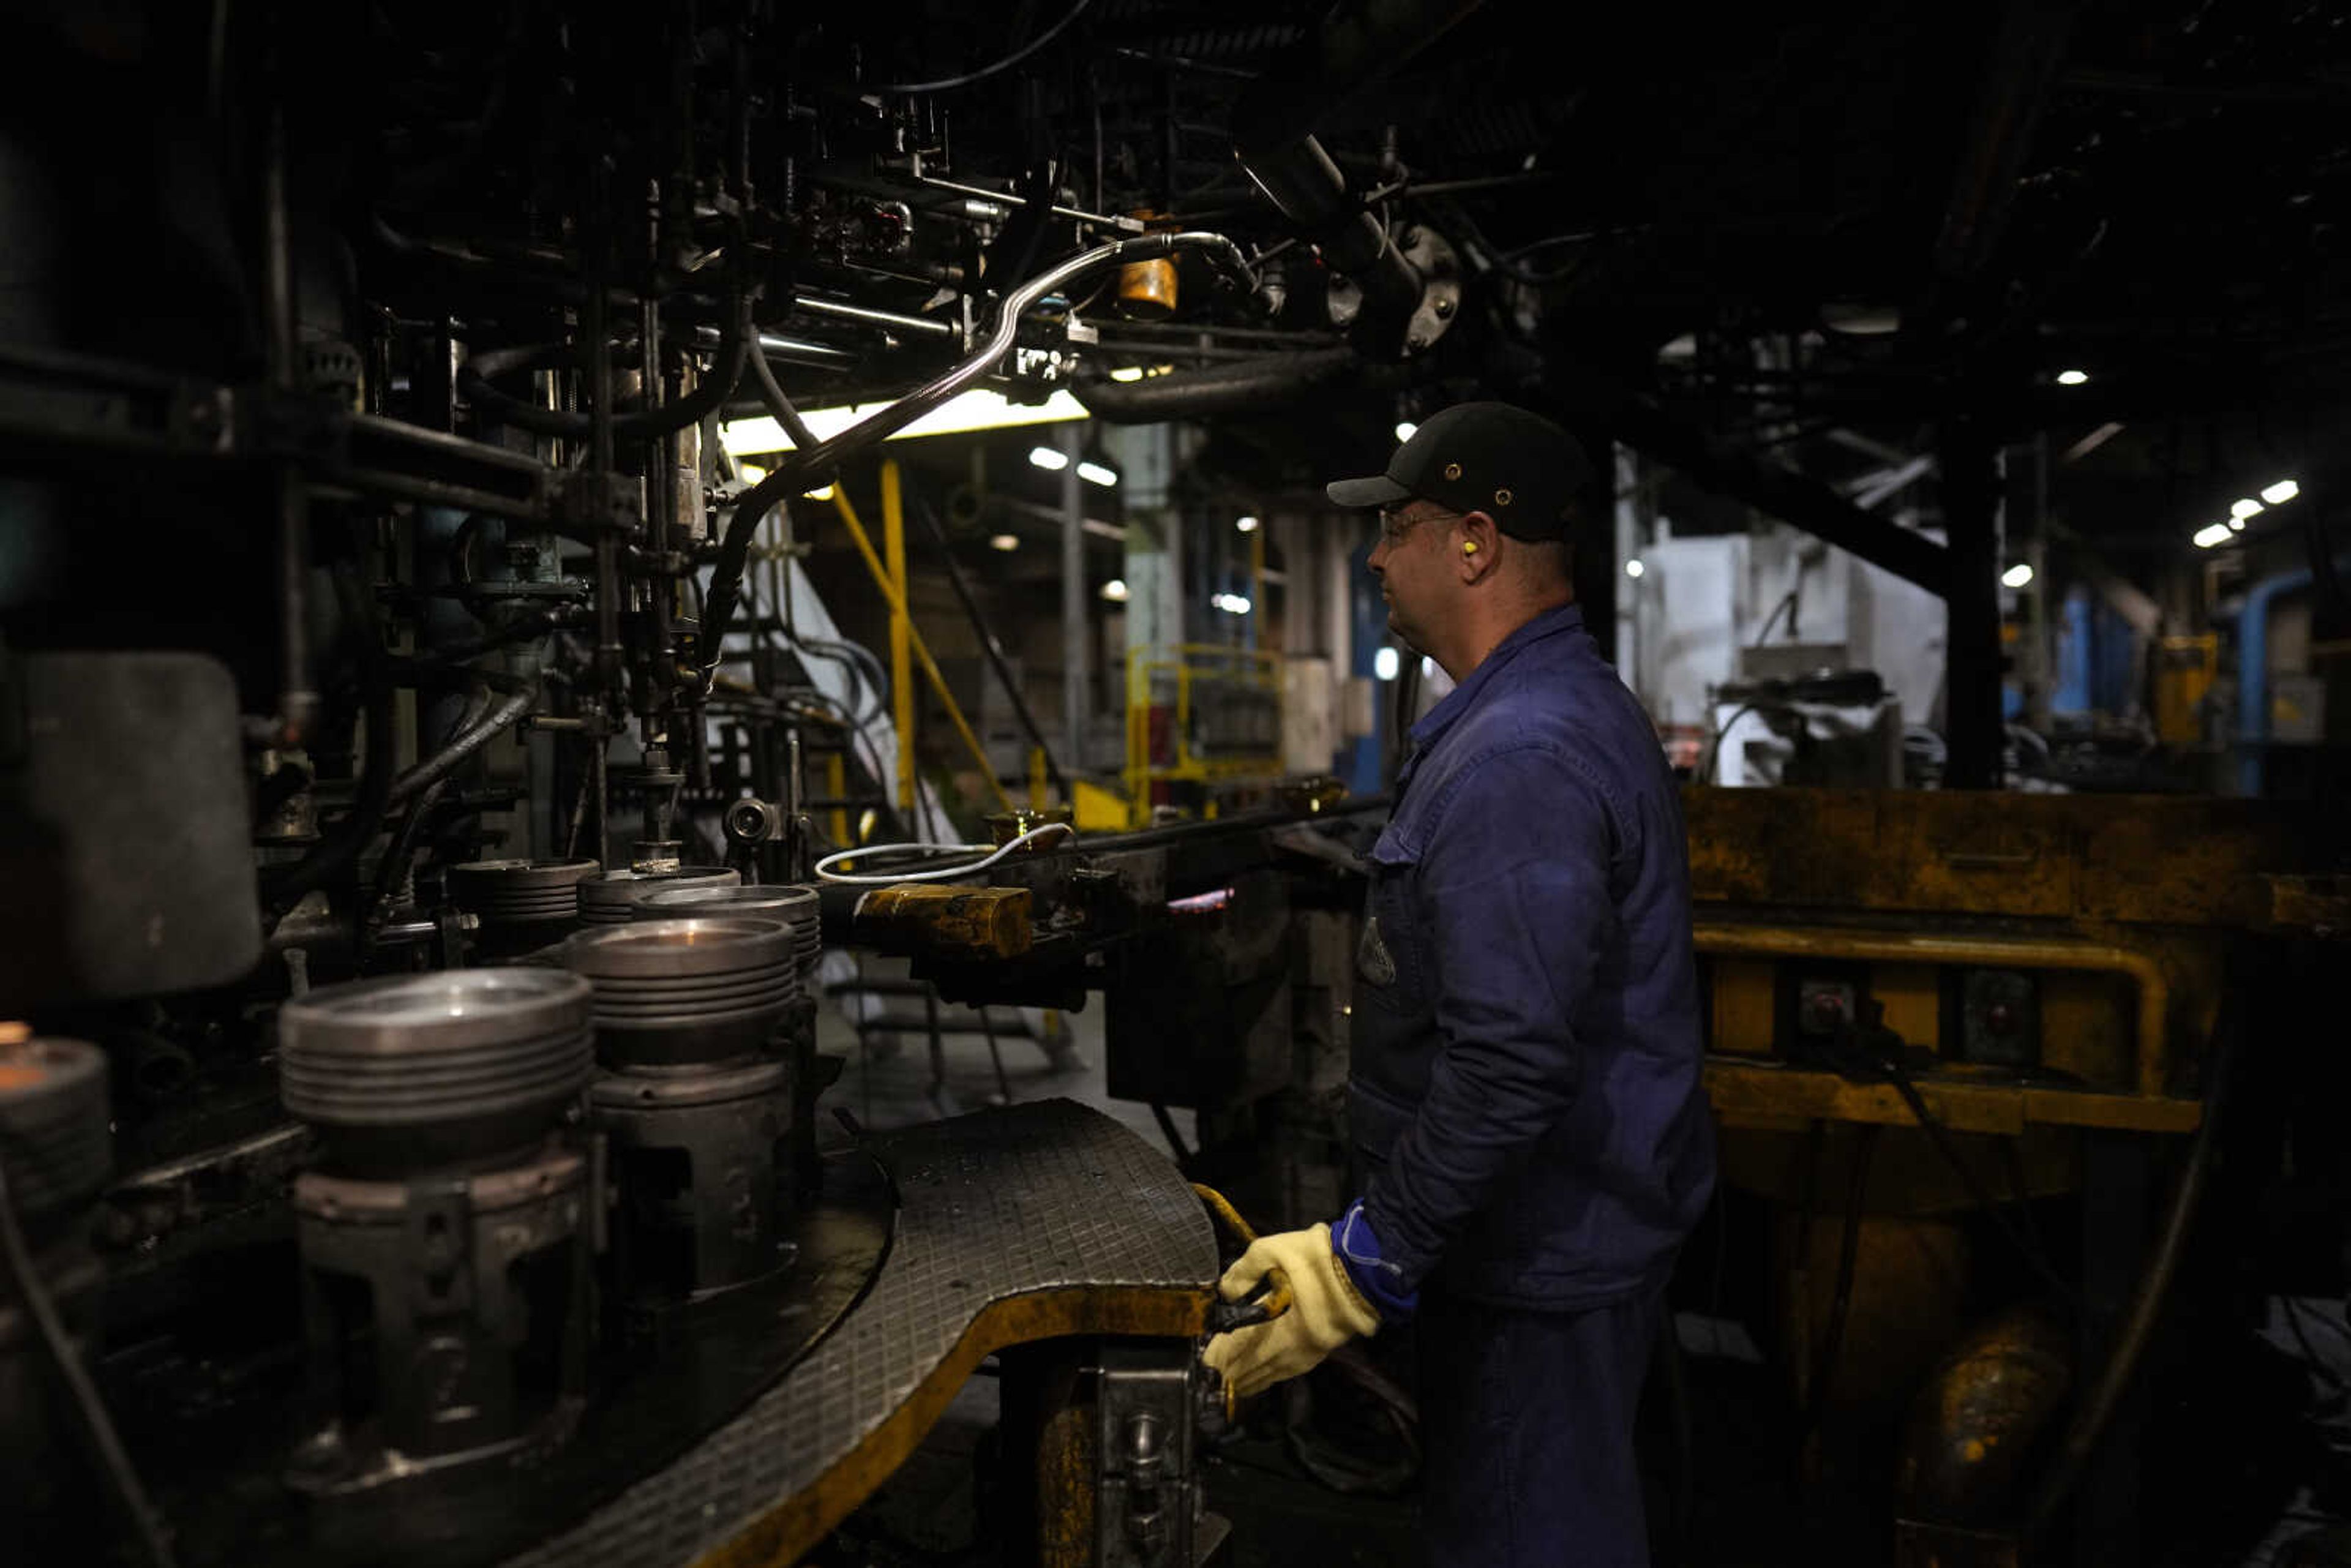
x=1325, y=1312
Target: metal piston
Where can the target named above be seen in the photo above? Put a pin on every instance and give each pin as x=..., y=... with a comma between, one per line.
x=699, y=1157
x=447, y=1233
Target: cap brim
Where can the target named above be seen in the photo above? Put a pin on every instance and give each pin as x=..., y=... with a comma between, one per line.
x=1379, y=490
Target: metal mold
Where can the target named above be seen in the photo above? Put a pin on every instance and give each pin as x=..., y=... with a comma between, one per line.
x=673, y=993
x=610, y=899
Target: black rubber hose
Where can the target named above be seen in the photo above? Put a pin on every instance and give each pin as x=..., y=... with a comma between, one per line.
x=1240, y=387
x=708, y=397
x=771, y=392
x=2097, y=1412
x=508, y=711
x=393, y=868
x=96, y=1428
x=1817, y=1399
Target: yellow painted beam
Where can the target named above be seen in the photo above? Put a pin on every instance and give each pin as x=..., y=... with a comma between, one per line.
x=902, y=630
x=897, y=601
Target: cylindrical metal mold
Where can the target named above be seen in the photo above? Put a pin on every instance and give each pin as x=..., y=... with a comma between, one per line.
x=685, y=993
x=57, y=1139
x=700, y=1159
x=793, y=905
x=415, y=1072
x=609, y=900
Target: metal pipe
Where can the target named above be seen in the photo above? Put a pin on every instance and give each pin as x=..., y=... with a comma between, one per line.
x=902, y=627
x=1115, y=221
x=990, y=643
x=1301, y=180
x=1738, y=940
x=805, y=471
x=1070, y=441
x=920, y=649
x=1245, y=385
x=843, y=310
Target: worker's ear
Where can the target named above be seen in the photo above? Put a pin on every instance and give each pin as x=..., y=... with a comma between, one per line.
x=1476, y=547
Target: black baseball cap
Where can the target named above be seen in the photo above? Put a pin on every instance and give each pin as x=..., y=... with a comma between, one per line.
x=1519, y=468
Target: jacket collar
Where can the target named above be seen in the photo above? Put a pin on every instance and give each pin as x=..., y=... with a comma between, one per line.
x=1461, y=698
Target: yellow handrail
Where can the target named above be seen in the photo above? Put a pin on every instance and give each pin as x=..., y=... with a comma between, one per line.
x=922, y=652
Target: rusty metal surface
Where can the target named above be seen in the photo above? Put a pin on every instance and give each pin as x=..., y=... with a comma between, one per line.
x=961, y=922
x=2135, y=859
x=1039, y=1219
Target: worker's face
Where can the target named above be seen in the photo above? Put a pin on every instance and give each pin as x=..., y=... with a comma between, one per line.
x=1414, y=569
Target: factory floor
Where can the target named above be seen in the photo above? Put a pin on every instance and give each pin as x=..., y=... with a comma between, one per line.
x=1741, y=1512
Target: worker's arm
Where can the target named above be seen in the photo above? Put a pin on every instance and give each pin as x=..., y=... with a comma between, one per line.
x=1513, y=905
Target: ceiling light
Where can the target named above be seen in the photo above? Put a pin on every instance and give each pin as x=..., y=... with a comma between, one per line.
x=1231, y=603
x=1004, y=541
x=2236, y=525
x=2017, y=575
x=1245, y=525
x=2072, y=378
x=823, y=495
x=2206, y=538
x=1127, y=373
x=1050, y=458
x=2279, y=493
x=1634, y=567
x=1384, y=664
x=1115, y=591
x=976, y=410
x=2244, y=506
x=1404, y=431
x=1095, y=473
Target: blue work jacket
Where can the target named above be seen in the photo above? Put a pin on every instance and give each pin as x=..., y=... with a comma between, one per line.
x=1525, y=1097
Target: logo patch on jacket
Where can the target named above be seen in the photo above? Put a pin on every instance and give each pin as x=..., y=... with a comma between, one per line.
x=1373, y=960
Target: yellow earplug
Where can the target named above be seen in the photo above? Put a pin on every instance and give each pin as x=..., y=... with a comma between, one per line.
x=1469, y=547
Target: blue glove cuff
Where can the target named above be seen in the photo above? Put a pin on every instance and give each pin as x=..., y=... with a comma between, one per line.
x=1381, y=1283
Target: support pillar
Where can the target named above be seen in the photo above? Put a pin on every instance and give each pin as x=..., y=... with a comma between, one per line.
x=1972, y=710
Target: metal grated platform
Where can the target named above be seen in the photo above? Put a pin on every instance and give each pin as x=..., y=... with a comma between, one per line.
x=1015, y=1224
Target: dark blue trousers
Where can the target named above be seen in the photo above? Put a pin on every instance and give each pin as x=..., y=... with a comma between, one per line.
x=1526, y=1433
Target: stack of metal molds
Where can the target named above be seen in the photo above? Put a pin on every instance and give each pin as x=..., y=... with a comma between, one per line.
x=57, y=1150
x=447, y=1227
x=696, y=1101
x=795, y=907
x=521, y=904
x=611, y=898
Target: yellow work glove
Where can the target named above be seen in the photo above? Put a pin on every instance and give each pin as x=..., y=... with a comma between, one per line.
x=1326, y=1311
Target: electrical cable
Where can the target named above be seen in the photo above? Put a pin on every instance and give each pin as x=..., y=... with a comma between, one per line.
x=948, y=84
x=1816, y=1397
x=942, y=874
x=82, y=1394
x=1714, y=747
x=771, y=392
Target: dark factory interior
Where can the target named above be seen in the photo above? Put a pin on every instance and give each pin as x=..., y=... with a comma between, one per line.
x=1380, y=782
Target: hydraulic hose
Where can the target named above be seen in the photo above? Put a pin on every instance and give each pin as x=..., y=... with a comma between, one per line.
x=809, y=466
x=327, y=861
x=520, y=696
x=1236, y=388
x=2095, y=1412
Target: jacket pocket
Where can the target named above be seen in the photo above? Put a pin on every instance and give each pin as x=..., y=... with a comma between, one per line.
x=1388, y=960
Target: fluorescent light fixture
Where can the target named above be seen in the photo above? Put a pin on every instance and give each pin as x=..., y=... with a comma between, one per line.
x=1127, y=373
x=1405, y=430
x=2206, y=538
x=976, y=410
x=1095, y=473
x=1634, y=567
x=1050, y=458
x=2072, y=378
x=1428, y=668
x=1115, y=591
x=1231, y=603
x=2236, y=525
x=2017, y=575
x=1245, y=525
x=1384, y=664
x=1004, y=541
x=2244, y=506
x=2279, y=493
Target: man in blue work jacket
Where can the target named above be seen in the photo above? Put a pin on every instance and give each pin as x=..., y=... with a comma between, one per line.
x=1525, y=1099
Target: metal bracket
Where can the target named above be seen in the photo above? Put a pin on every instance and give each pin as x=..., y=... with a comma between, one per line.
x=1147, y=1499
